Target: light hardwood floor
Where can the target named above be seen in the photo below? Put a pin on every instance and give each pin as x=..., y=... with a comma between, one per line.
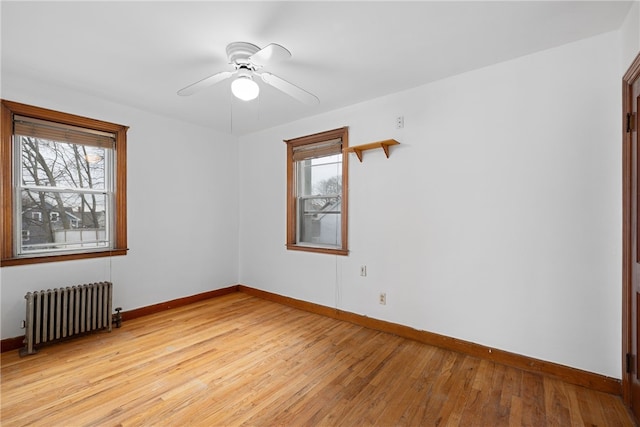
x=240, y=360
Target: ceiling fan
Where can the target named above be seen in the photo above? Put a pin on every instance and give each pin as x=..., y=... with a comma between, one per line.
x=248, y=60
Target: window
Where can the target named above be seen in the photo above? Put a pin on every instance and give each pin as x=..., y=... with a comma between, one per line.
x=317, y=192
x=63, y=186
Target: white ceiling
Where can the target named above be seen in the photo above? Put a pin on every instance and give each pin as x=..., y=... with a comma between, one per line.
x=141, y=53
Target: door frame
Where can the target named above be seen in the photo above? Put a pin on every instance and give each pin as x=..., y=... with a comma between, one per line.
x=632, y=74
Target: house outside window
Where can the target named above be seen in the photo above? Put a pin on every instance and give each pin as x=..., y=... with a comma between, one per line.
x=66, y=187
x=317, y=196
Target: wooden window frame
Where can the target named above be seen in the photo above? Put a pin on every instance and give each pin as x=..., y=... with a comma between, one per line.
x=343, y=134
x=7, y=251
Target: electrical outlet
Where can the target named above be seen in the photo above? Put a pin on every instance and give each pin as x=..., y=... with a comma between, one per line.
x=363, y=270
x=383, y=298
x=23, y=324
x=399, y=122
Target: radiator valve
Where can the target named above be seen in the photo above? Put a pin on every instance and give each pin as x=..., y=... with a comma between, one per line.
x=118, y=317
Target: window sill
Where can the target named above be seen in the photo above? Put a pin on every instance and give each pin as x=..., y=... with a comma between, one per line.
x=343, y=252
x=56, y=258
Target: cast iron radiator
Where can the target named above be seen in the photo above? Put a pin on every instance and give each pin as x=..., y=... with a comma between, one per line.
x=62, y=313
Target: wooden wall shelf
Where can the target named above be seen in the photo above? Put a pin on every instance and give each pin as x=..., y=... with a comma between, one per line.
x=358, y=149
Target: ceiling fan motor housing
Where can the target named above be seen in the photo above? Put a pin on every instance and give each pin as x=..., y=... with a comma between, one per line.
x=245, y=71
x=239, y=53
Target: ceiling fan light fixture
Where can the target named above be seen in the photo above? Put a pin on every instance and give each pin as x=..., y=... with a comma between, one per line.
x=245, y=88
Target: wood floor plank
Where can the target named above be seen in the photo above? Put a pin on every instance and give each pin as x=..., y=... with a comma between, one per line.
x=240, y=360
x=515, y=412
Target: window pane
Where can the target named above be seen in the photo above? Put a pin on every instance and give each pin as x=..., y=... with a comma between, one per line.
x=56, y=221
x=61, y=164
x=319, y=220
x=337, y=158
x=320, y=176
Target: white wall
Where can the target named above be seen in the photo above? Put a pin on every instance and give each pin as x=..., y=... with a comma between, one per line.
x=630, y=35
x=182, y=210
x=497, y=219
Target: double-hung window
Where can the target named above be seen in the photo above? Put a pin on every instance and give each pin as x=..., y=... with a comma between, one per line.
x=66, y=188
x=317, y=192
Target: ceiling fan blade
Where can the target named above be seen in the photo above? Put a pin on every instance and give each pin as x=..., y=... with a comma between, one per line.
x=289, y=88
x=207, y=81
x=270, y=54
